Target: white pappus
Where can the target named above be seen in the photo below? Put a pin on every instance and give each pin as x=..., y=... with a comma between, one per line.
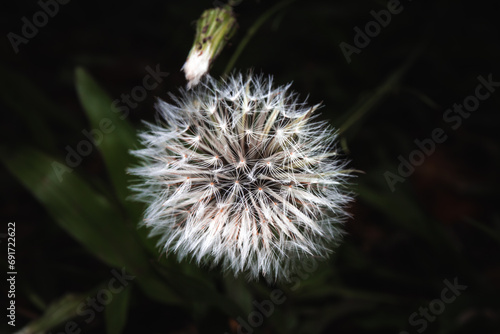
x=241, y=174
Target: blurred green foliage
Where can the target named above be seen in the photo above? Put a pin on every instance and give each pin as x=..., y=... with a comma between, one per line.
x=75, y=225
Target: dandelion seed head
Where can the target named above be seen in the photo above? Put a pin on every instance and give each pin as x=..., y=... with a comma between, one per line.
x=240, y=174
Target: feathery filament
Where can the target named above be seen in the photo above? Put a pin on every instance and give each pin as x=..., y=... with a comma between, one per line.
x=240, y=173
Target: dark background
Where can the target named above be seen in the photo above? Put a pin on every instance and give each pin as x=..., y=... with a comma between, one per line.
x=442, y=222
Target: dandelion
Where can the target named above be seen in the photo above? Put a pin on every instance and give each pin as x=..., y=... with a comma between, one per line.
x=241, y=174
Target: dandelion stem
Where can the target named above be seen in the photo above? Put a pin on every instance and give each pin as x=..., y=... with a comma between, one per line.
x=252, y=30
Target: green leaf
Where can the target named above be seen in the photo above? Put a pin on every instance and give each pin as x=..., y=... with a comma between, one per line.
x=238, y=291
x=373, y=99
x=199, y=290
x=118, y=137
x=83, y=213
x=403, y=210
x=59, y=312
x=116, y=312
x=114, y=136
x=86, y=215
x=398, y=208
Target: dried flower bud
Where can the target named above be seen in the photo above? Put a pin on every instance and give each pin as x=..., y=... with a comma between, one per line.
x=213, y=29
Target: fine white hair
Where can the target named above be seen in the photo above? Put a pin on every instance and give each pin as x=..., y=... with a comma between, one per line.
x=241, y=174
